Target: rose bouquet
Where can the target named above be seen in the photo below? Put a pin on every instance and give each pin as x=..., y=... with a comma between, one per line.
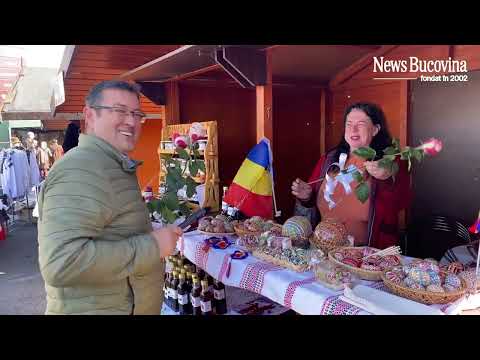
x=388, y=161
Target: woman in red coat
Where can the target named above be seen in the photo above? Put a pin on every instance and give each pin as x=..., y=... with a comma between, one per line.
x=375, y=222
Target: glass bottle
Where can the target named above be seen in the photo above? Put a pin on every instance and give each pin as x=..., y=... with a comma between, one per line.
x=184, y=305
x=206, y=298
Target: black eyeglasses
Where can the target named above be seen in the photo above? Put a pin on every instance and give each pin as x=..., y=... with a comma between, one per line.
x=122, y=113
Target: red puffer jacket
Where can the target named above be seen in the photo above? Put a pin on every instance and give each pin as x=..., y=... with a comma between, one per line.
x=387, y=199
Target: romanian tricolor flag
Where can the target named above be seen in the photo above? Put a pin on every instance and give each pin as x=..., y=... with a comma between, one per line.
x=475, y=228
x=251, y=190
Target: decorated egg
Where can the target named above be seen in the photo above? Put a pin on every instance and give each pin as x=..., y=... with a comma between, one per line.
x=338, y=255
x=370, y=267
x=408, y=282
x=434, y=278
x=406, y=268
x=392, y=260
x=435, y=288
x=368, y=251
x=393, y=277
x=297, y=227
x=470, y=278
x=374, y=259
x=453, y=281
x=416, y=286
x=419, y=276
x=449, y=288
x=455, y=268
x=433, y=261
x=329, y=235
x=398, y=269
x=351, y=261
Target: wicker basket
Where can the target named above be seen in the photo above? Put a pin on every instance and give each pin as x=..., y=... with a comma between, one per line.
x=422, y=296
x=240, y=231
x=361, y=273
x=273, y=260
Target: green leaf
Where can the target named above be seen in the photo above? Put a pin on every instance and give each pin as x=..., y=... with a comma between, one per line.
x=184, y=209
x=357, y=176
x=196, y=153
x=170, y=200
x=366, y=153
x=390, y=150
x=182, y=153
x=191, y=187
x=193, y=168
x=196, y=146
x=418, y=154
x=386, y=164
x=389, y=157
x=166, y=157
x=168, y=215
x=201, y=166
x=362, y=192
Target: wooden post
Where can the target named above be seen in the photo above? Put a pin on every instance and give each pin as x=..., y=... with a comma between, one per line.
x=172, y=108
x=323, y=119
x=264, y=105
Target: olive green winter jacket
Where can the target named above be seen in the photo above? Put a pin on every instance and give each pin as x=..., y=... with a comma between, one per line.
x=95, y=252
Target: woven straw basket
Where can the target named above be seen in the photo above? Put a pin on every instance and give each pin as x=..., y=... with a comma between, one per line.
x=361, y=273
x=422, y=296
x=240, y=231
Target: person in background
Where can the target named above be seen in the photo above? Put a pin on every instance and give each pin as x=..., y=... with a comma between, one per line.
x=98, y=253
x=43, y=158
x=375, y=222
x=56, y=151
x=71, y=136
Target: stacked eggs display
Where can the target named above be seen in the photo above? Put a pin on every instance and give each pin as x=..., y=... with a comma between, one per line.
x=355, y=257
x=424, y=275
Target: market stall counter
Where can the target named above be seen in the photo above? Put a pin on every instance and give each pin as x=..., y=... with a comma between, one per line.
x=300, y=291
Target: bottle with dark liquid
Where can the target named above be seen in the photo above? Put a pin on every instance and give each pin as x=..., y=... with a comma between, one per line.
x=173, y=292
x=210, y=283
x=166, y=289
x=220, y=300
x=224, y=204
x=184, y=305
x=200, y=274
x=206, y=298
x=195, y=297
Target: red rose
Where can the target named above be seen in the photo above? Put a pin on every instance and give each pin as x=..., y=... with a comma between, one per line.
x=432, y=147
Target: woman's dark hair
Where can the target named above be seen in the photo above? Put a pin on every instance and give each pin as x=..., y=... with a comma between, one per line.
x=379, y=141
x=71, y=137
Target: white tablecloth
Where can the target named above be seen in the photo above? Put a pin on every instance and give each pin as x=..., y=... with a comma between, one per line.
x=297, y=291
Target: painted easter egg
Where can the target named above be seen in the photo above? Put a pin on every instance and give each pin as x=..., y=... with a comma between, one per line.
x=392, y=260
x=351, y=261
x=329, y=235
x=370, y=267
x=455, y=268
x=297, y=227
x=434, y=278
x=393, y=277
x=453, y=281
x=470, y=278
x=435, y=288
x=419, y=276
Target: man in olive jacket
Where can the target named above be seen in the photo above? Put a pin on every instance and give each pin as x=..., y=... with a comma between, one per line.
x=97, y=251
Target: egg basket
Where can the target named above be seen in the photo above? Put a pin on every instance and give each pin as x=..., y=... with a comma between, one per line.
x=361, y=273
x=423, y=296
x=241, y=231
x=325, y=245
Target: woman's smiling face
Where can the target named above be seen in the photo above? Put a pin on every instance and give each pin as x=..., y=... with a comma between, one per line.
x=359, y=129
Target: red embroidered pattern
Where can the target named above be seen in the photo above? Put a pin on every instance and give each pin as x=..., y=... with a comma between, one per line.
x=254, y=276
x=292, y=287
x=223, y=268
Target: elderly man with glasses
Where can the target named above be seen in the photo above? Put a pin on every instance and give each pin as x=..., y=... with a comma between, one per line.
x=98, y=252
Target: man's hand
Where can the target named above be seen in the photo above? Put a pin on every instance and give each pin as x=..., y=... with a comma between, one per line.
x=166, y=239
x=376, y=171
x=301, y=190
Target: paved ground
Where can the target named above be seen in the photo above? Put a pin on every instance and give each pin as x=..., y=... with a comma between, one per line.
x=22, y=289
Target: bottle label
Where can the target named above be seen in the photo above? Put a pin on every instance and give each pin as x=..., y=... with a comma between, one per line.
x=195, y=301
x=206, y=306
x=183, y=299
x=219, y=294
x=173, y=294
